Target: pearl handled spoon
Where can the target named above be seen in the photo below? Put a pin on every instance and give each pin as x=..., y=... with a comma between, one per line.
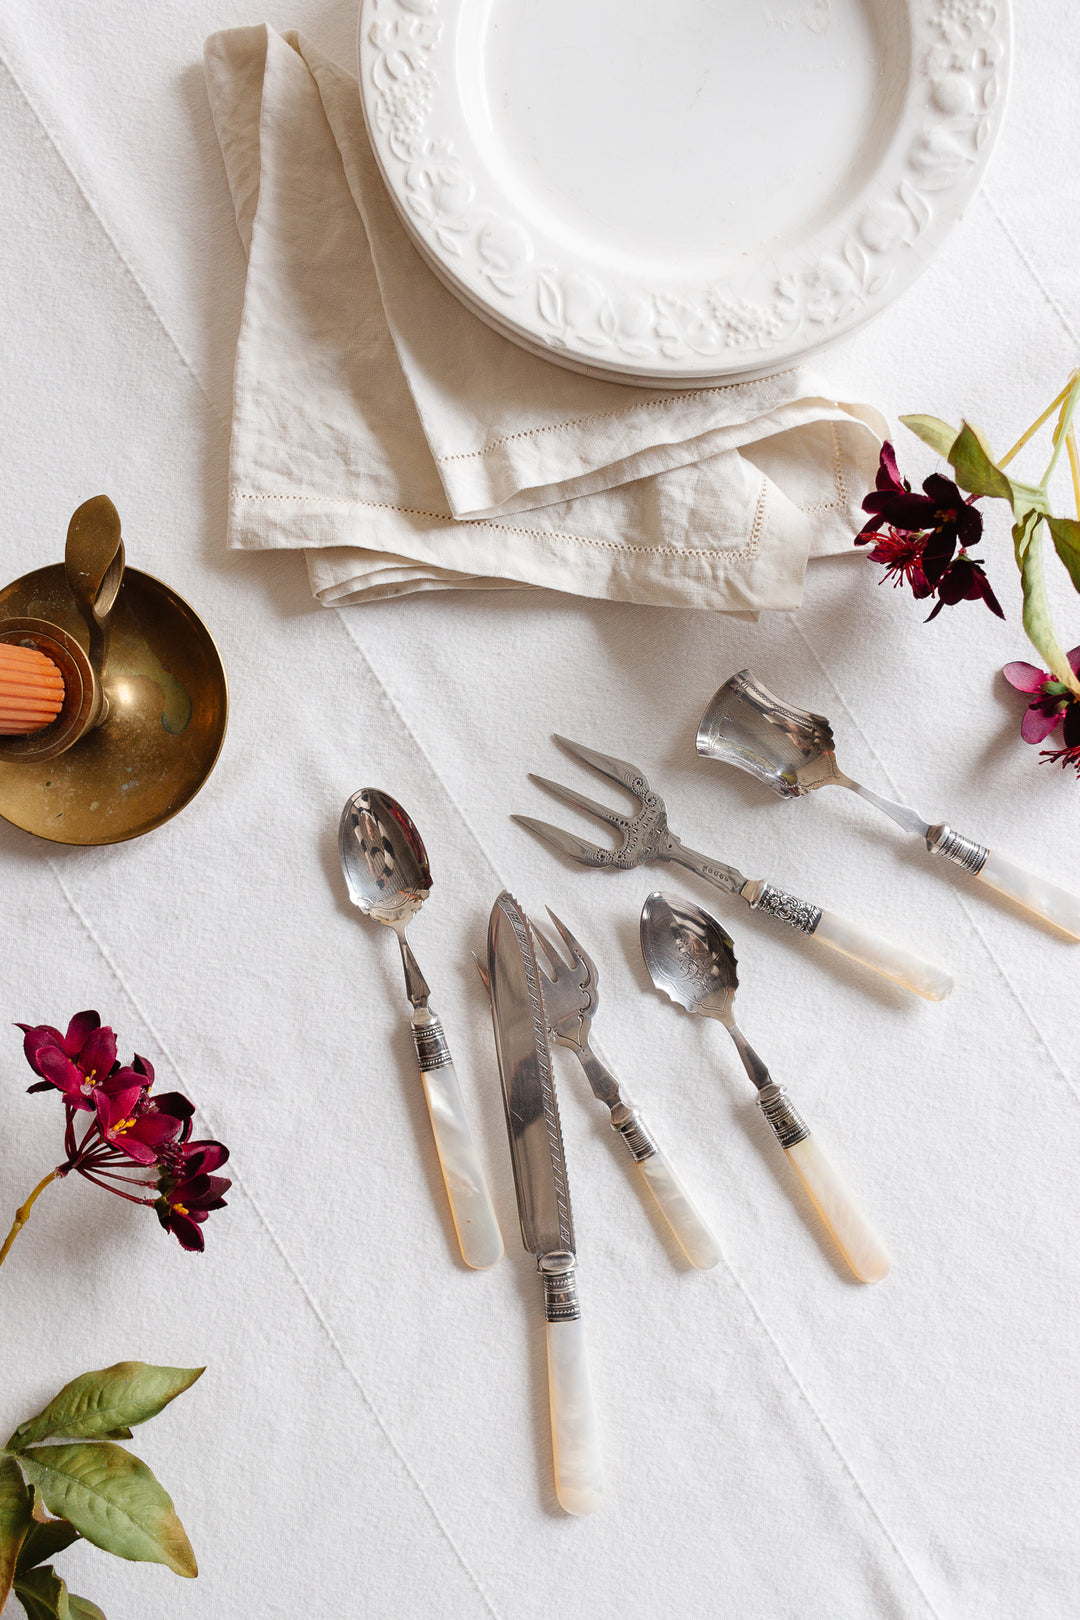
x=388, y=878
x=791, y=751
x=692, y=960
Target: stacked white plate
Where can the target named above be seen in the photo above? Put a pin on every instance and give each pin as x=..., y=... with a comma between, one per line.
x=680, y=192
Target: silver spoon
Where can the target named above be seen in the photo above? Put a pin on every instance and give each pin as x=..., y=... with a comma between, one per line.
x=386, y=870
x=692, y=960
x=791, y=751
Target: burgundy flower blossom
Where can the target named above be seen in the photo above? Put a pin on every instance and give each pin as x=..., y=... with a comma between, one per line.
x=188, y=1196
x=1070, y=736
x=929, y=538
x=74, y=1063
x=964, y=581
x=1050, y=698
x=129, y=1129
x=902, y=555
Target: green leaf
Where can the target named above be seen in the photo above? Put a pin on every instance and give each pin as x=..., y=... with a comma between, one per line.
x=82, y=1608
x=1037, y=621
x=1025, y=526
x=113, y=1500
x=43, y=1595
x=1066, y=533
x=101, y=1405
x=16, y=1517
x=932, y=431
x=975, y=470
x=44, y=1541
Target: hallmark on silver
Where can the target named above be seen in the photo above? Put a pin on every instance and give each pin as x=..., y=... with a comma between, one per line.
x=941, y=840
x=560, y=1287
x=432, y=1051
x=787, y=908
x=788, y=1125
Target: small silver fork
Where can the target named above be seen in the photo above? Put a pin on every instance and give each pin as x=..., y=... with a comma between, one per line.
x=571, y=998
x=646, y=836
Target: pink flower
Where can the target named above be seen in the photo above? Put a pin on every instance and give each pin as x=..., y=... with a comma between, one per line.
x=1051, y=700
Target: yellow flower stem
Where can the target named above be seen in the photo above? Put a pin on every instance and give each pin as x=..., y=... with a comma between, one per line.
x=22, y=1214
x=1074, y=467
x=1035, y=426
x=1061, y=432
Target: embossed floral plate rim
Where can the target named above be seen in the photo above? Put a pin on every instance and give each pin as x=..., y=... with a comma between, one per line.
x=695, y=330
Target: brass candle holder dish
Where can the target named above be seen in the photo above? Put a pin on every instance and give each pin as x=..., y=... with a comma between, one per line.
x=145, y=696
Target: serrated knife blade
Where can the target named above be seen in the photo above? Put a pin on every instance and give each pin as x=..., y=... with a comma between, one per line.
x=532, y=1107
x=543, y=1195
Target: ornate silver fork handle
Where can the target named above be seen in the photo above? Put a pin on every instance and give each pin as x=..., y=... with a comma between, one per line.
x=825, y=927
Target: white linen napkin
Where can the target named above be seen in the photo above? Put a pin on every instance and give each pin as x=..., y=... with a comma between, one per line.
x=406, y=446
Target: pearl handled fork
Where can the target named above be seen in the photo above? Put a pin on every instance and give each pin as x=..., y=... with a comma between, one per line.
x=571, y=997
x=646, y=836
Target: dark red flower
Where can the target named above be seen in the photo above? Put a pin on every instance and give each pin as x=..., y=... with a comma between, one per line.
x=964, y=581
x=130, y=1129
x=187, y=1197
x=929, y=537
x=1050, y=698
x=902, y=555
x=74, y=1063
x=1070, y=736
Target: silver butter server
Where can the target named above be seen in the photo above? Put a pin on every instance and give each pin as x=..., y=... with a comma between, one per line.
x=792, y=752
x=692, y=960
x=543, y=1196
x=646, y=836
x=388, y=878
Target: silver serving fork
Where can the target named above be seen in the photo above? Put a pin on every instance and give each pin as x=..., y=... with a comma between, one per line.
x=647, y=837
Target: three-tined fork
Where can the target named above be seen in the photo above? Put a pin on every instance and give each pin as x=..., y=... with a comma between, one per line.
x=646, y=836
x=571, y=997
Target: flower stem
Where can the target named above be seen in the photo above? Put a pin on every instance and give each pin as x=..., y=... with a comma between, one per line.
x=22, y=1214
x=1036, y=425
x=1064, y=423
x=1074, y=467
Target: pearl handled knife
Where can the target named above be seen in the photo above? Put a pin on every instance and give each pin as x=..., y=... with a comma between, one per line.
x=543, y=1197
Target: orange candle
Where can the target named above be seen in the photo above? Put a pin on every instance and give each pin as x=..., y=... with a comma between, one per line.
x=31, y=690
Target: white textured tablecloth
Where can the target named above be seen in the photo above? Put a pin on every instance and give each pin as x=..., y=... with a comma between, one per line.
x=371, y=1435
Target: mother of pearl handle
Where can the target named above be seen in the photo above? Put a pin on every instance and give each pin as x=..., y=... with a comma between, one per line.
x=689, y=1226
x=1045, y=899
x=470, y=1202
x=855, y=1237
x=891, y=961
x=575, y=1438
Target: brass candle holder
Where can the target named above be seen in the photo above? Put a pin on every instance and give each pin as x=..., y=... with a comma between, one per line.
x=145, y=696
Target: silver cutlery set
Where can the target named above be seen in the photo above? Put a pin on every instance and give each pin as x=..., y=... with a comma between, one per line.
x=541, y=991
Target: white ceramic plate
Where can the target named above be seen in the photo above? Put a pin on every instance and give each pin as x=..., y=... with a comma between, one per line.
x=680, y=191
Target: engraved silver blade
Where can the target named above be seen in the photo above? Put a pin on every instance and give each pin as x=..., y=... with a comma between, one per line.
x=532, y=1109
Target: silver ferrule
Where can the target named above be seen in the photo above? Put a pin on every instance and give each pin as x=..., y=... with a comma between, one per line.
x=788, y=1125
x=634, y=1131
x=560, y=1287
x=432, y=1051
x=941, y=840
x=787, y=908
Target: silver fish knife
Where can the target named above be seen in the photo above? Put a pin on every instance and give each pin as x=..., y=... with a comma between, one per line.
x=543, y=1197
